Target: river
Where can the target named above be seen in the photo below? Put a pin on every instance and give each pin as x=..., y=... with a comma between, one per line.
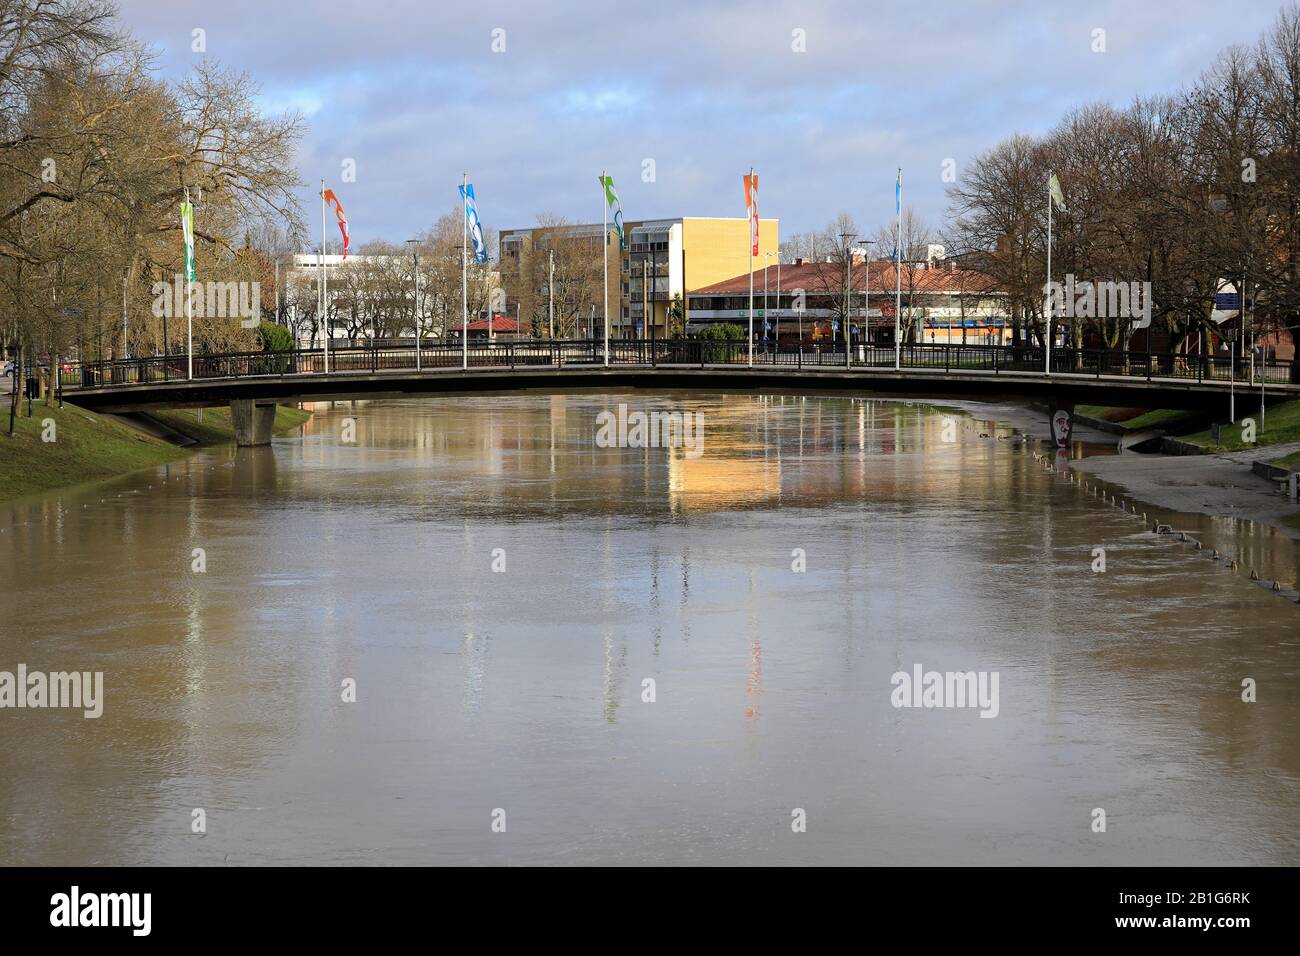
x=568, y=653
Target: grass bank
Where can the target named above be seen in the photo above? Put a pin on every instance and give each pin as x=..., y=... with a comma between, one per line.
x=1137, y=419
x=1281, y=425
x=90, y=447
x=211, y=426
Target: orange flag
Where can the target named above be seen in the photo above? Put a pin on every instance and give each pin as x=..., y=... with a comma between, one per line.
x=751, y=207
x=333, y=201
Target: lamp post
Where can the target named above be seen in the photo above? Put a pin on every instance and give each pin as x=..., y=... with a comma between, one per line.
x=866, y=292
x=767, y=318
x=419, y=328
x=778, y=301
x=847, y=238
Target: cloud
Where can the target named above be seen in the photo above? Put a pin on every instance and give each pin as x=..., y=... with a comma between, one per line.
x=415, y=94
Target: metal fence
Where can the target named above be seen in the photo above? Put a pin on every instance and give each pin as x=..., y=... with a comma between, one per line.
x=678, y=353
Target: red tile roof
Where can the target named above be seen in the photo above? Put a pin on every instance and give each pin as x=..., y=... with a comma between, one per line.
x=499, y=324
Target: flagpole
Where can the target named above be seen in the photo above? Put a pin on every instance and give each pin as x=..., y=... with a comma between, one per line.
x=1047, y=289
x=324, y=284
x=752, y=214
x=189, y=297
x=320, y=271
x=604, y=240
x=898, y=279
x=464, y=274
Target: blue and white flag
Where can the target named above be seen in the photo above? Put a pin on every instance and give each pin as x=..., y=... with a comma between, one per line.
x=898, y=195
x=1227, y=303
x=475, y=227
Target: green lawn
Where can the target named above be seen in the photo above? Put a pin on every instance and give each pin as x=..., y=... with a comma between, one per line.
x=211, y=426
x=90, y=447
x=86, y=447
x=1167, y=418
x=1105, y=412
x=1281, y=424
x=1137, y=418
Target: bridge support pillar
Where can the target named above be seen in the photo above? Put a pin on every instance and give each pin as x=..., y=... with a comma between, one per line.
x=1061, y=423
x=252, y=421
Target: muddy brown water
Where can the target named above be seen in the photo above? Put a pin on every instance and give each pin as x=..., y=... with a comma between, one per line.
x=520, y=695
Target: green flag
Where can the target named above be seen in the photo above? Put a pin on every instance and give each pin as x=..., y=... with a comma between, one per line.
x=187, y=229
x=611, y=197
x=1054, y=187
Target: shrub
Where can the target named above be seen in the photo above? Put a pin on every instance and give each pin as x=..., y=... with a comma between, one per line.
x=727, y=332
x=274, y=338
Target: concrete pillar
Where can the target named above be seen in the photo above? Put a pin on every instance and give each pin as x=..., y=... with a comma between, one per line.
x=252, y=421
x=1061, y=423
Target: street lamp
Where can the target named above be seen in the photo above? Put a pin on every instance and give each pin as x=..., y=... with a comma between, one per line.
x=866, y=291
x=778, y=301
x=767, y=318
x=419, y=329
x=846, y=238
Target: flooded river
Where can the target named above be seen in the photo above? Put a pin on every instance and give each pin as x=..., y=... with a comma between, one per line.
x=562, y=652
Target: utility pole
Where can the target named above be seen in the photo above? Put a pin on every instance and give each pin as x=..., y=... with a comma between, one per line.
x=668, y=302
x=464, y=278
x=604, y=246
x=866, y=295
x=419, y=327
x=847, y=238
x=324, y=283
x=189, y=308
x=1232, y=383
x=750, y=242
x=765, y=318
x=778, y=302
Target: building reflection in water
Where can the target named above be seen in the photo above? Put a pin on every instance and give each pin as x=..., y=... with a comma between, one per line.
x=328, y=560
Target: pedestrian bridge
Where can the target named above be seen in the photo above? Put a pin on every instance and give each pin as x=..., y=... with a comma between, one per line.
x=253, y=382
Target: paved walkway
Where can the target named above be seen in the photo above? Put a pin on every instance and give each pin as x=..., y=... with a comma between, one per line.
x=1220, y=485
x=1262, y=453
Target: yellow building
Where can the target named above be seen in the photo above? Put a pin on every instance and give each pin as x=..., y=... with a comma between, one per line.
x=664, y=259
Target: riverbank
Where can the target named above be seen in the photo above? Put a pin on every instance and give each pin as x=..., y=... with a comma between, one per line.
x=1219, y=483
x=1221, y=486
x=1273, y=438
x=58, y=447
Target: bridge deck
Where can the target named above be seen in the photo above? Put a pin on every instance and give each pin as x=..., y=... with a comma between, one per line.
x=1132, y=379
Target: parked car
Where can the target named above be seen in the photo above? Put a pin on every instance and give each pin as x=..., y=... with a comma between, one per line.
x=9, y=368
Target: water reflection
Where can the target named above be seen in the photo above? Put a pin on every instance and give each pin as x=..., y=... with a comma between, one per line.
x=372, y=560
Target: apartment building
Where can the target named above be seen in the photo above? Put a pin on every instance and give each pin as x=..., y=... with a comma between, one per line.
x=944, y=303
x=662, y=260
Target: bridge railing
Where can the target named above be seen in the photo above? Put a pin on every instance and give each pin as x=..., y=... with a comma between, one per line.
x=700, y=353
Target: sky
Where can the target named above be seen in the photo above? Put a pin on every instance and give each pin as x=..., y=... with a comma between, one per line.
x=676, y=100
